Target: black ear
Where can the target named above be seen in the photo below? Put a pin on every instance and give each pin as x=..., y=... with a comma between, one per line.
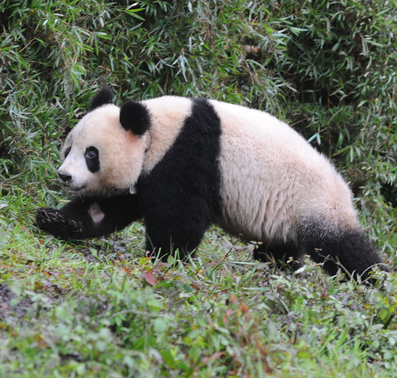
x=104, y=96
x=134, y=116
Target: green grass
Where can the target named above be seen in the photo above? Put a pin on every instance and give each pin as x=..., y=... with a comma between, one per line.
x=102, y=309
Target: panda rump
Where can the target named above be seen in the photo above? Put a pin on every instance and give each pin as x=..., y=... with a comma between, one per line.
x=194, y=162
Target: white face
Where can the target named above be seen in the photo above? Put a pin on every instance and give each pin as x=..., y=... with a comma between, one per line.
x=100, y=157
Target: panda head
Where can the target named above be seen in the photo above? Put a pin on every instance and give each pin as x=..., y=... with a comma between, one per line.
x=103, y=154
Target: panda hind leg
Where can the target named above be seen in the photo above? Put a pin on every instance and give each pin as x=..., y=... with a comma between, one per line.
x=344, y=249
x=287, y=256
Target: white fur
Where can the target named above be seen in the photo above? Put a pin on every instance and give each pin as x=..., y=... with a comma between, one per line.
x=273, y=179
x=168, y=115
x=96, y=213
x=121, y=153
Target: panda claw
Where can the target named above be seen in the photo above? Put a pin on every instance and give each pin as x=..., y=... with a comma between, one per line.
x=57, y=224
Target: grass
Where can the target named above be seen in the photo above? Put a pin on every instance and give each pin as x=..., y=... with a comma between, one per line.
x=102, y=309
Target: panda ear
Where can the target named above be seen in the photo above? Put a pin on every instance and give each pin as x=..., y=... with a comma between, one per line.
x=134, y=117
x=104, y=96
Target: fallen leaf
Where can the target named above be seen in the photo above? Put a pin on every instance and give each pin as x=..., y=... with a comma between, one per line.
x=149, y=278
x=244, y=308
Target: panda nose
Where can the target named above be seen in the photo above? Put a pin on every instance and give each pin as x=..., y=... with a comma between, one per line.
x=64, y=178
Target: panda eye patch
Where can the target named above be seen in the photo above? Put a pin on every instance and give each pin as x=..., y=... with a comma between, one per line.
x=67, y=151
x=92, y=159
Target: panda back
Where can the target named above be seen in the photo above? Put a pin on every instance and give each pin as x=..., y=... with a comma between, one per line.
x=273, y=179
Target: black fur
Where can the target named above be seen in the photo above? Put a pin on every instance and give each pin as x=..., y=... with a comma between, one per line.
x=181, y=195
x=134, y=117
x=73, y=221
x=285, y=255
x=92, y=159
x=348, y=250
x=104, y=96
x=178, y=200
x=67, y=151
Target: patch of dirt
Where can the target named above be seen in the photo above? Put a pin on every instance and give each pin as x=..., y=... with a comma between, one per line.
x=6, y=310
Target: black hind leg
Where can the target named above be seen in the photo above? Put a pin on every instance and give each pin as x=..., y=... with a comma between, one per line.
x=348, y=250
x=286, y=255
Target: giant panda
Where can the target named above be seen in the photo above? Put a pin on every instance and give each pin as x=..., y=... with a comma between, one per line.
x=182, y=164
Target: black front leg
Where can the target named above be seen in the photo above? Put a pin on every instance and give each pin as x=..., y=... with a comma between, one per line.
x=176, y=228
x=88, y=217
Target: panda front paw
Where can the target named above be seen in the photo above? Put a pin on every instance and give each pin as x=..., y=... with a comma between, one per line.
x=58, y=224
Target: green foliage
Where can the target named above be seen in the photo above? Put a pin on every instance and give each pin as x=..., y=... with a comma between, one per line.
x=102, y=310
x=326, y=67
x=342, y=62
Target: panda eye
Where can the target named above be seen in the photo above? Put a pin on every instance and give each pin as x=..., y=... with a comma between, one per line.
x=92, y=159
x=91, y=153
